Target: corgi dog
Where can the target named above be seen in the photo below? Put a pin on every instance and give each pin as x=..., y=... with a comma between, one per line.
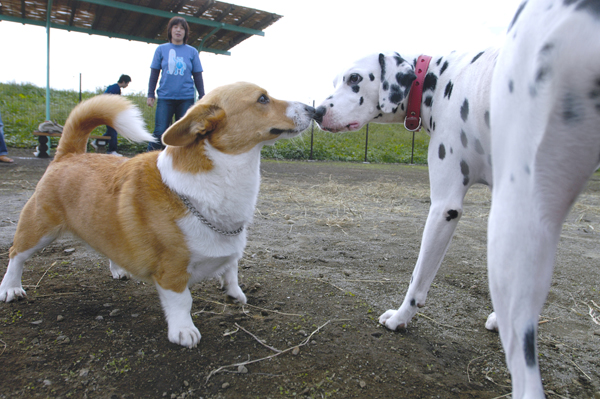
x=174, y=217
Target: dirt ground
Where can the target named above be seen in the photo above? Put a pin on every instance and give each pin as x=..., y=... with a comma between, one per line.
x=332, y=247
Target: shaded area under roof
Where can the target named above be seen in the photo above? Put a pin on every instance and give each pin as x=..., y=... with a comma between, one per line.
x=215, y=26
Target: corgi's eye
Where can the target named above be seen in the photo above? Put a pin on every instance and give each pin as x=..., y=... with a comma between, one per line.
x=263, y=99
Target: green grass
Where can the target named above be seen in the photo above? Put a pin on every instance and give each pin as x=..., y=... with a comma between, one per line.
x=23, y=108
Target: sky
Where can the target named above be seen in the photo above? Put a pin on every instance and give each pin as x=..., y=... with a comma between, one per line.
x=297, y=59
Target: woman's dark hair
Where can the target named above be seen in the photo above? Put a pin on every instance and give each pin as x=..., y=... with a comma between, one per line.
x=178, y=21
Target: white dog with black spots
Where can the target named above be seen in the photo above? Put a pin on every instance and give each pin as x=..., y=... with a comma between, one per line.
x=540, y=94
x=455, y=112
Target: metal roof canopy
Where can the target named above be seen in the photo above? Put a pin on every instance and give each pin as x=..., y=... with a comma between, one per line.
x=215, y=26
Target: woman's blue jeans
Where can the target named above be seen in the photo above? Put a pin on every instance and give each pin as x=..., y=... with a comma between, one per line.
x=165, y=110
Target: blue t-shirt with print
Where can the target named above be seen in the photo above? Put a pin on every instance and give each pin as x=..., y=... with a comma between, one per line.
x=177, y=63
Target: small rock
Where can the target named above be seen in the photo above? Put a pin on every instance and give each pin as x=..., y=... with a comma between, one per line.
x=69, y=250
x=84, y=372
x=35, y=341
x=377, y=334
x=347, y=272
x=115, y=312
x=255, y=287
x=59, y=318
x=99, y=318
x=242, y=369
x=597, y=332
x=107, y=305
x=225, y=385
x=302, y=332
x=47, y=383
x=362, y=383
x=62, y=339
x=185, y=383
x=135, y=315
x=295, y=351
x=37, y=322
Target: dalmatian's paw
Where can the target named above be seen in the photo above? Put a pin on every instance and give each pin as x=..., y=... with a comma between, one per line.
x=118, y=272
x=392, y=320
x=492, y=323
x=10, y=294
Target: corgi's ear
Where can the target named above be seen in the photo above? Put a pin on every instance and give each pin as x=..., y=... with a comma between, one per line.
x=199, y=120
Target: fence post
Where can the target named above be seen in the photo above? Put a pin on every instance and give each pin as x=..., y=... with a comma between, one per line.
x=366, y=143
x=312, y=131
x=412, y=151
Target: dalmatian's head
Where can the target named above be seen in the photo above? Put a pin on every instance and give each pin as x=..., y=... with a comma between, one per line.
x=373, y=89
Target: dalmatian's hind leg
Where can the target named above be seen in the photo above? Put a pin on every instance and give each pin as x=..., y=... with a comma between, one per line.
x=548, y=147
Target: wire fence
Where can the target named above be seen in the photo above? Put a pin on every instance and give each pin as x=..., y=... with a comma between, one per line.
x=23, y=108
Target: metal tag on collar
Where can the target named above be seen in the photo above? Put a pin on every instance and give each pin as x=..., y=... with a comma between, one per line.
x=412, y=123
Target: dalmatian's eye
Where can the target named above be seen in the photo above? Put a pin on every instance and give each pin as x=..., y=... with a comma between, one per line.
x=263, y=99
x=354, y=79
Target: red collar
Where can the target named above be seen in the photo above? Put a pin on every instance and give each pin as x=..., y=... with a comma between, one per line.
x=412, y=122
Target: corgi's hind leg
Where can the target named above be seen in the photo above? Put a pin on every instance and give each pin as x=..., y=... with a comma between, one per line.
x=11, y=288
x=34, y=232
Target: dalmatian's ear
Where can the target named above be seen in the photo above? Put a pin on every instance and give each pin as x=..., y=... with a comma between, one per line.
x=397, y=75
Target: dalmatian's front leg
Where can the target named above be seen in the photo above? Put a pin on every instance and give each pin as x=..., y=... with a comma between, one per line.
x=447, y=194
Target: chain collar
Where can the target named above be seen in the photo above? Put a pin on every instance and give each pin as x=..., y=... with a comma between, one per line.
x=195, y=212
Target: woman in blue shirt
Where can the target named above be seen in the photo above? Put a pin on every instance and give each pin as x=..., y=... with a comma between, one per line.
x=181, y=71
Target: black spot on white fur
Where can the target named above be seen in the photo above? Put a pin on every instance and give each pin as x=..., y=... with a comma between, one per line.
x=486, y=118
x=463, y=138
x=413, y=302
x=464, y=169
x=590, y=6
x=516, y=17
x=371, y=77
x=362, y=100
x=444, y=67
x=476, y=57
x=464, y=110
x=430, y=82
x=529, y=347
x=448, y=90
x=396, y=95
x=572, y=108
x=479, y=147
x=452, y=214
x=442, y=151
x=511, y=86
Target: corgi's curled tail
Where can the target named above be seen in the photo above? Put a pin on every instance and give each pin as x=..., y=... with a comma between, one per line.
x=105, y=109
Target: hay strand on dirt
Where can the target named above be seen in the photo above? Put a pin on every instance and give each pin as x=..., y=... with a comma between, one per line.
x=307, y=340
x=260, y=341
x=41, y=278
